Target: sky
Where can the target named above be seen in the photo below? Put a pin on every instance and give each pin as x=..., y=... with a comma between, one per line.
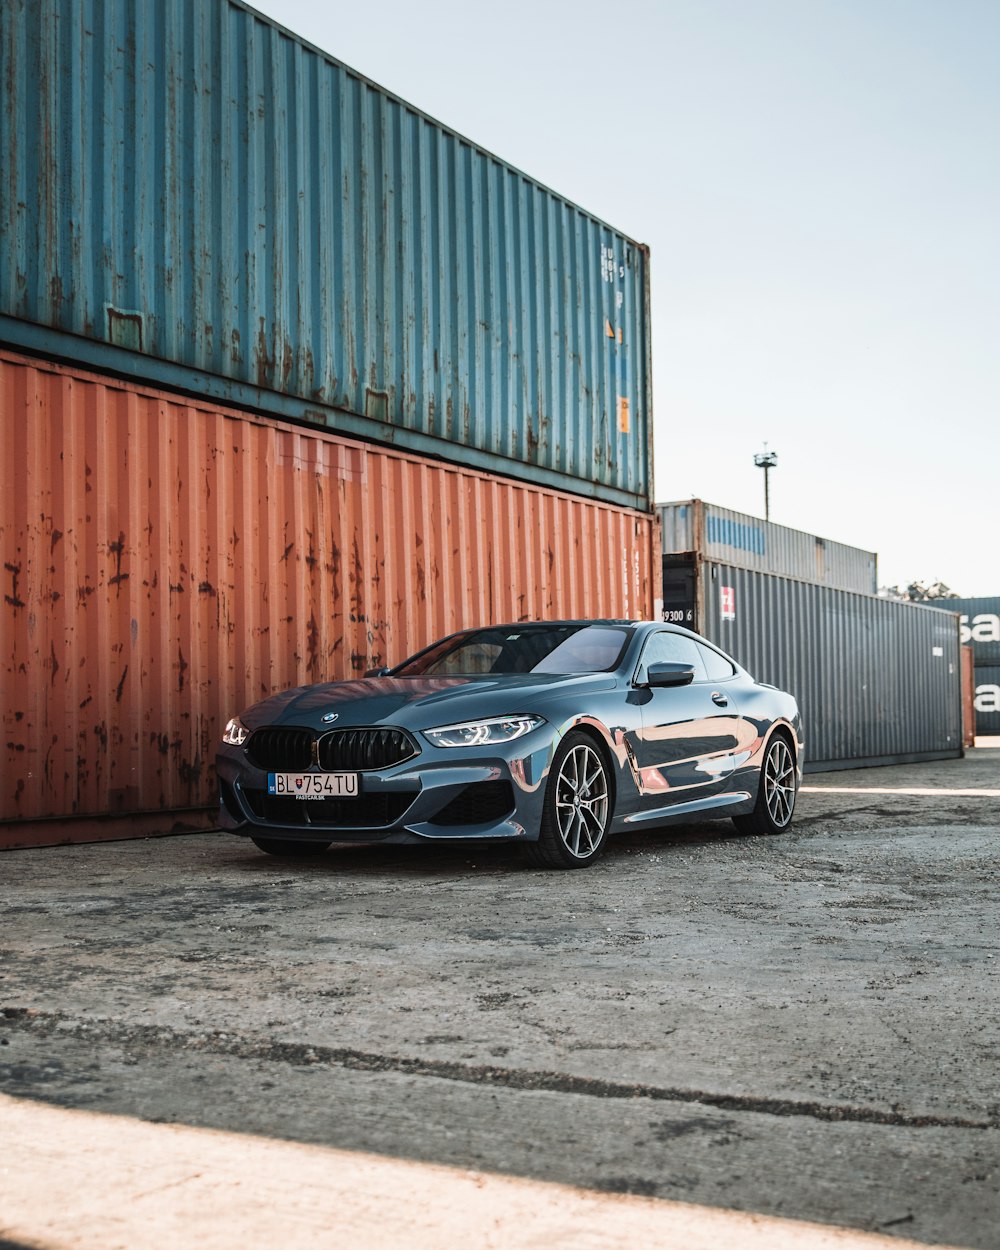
x=819, y=184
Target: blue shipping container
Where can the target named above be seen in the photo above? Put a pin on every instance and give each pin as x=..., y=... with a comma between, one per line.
x=196, y=197
x=980, y=619
x=987, y=700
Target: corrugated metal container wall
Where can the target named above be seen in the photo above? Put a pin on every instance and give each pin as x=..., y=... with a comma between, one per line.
x=987, y=700
x=168, y=563
x=980, y=626
x=747, y=542
x=877, y=681
x=186, y=180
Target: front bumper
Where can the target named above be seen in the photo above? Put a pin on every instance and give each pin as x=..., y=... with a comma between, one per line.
x=485, y=794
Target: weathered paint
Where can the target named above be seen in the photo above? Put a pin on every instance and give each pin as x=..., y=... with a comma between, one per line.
x=167, y=563
x=748, y=542
x=189, y=189
x=878, y=681
x=968, y=698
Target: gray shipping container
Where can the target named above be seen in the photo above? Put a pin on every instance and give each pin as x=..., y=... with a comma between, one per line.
x=193, y=197
x=980, y=626
x=878, y=681
x=987, y=700
x=747, y=542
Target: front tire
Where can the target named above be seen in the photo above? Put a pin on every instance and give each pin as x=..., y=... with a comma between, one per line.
x=776, y=792
x=577, y=808
x=289, y=848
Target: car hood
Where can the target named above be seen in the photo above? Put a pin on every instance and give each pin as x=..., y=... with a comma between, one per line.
x=419, y=702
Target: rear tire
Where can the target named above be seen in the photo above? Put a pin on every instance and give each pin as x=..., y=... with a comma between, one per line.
x=289, y=848
x=577, y=807
x=776, y=792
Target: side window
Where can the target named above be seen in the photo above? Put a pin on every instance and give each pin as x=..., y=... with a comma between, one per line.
x=665, y=646
x=717, y=666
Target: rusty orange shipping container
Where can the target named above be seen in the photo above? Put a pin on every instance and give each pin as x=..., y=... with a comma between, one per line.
x=167, y=562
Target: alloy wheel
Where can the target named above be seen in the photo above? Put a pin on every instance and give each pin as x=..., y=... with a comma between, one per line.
x=582, y=801
x=779, y=782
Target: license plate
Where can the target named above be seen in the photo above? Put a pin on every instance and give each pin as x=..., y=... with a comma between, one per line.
x=313, y=785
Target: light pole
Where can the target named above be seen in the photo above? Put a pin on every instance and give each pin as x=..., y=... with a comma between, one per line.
x=766, y=460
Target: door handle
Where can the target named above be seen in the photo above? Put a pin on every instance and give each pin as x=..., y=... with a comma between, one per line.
x=719, y=698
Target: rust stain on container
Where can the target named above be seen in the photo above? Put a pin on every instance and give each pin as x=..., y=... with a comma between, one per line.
x=968, y=697
x=302, y=556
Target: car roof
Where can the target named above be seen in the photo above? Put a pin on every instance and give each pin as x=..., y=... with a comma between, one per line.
x=549, y=624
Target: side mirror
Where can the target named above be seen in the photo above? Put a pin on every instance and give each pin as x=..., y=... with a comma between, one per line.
x=381, y=671
x=670, y=673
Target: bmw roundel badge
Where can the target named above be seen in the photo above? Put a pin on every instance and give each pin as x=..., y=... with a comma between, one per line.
x=330, y=717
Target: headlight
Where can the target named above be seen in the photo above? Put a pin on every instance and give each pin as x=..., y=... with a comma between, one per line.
x=236, y=733
x=481, y=733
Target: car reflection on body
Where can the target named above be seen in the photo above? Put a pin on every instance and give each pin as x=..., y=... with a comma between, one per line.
x=554, y=735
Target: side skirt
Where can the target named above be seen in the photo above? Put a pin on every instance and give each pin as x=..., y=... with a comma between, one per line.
x=662, y=814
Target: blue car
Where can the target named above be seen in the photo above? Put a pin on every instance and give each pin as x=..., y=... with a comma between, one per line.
x=553, y=735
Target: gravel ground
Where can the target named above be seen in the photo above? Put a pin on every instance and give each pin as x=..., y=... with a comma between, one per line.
x=805, y=1026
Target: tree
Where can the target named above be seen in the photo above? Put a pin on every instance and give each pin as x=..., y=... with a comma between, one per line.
x=917, y=592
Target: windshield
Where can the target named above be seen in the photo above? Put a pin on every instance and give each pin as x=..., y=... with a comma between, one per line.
x=558, y=649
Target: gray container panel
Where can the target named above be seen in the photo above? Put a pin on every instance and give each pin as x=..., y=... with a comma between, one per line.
x=877, y=681
x=195, y=197
x=748, y=542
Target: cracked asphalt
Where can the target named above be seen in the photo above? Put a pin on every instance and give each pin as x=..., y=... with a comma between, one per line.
x=805, y=1026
